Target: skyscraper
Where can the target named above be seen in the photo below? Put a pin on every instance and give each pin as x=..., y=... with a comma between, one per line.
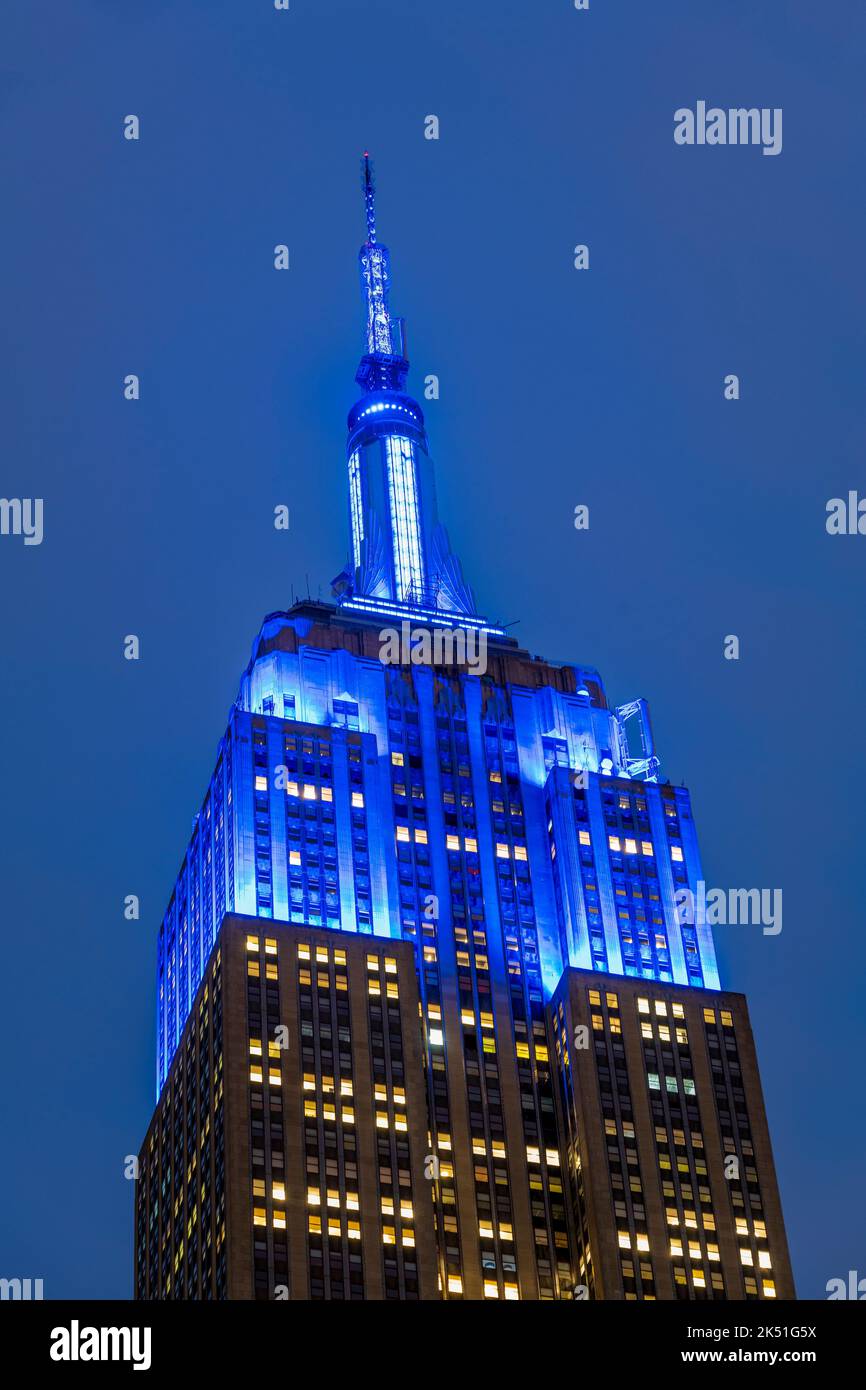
x=431, y=1019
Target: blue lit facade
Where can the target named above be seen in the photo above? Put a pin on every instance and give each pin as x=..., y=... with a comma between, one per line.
x=510, y=824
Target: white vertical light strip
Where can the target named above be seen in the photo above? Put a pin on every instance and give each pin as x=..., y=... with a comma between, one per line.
x=356, y=504
x=405, y=526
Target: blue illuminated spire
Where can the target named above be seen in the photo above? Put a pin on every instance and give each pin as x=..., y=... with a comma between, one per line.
x=401, y=561
x=384, y=365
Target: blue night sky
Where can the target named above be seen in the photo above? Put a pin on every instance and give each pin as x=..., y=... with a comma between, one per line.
x=557, y=388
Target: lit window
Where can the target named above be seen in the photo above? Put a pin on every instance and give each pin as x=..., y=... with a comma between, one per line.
x=261, y=783
x=676, y=854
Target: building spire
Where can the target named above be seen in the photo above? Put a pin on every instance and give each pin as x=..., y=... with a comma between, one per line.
x=384, y=364
x=370, y=199
x=401, y=560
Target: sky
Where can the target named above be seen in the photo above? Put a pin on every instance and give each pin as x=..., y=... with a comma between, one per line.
x=558, y=387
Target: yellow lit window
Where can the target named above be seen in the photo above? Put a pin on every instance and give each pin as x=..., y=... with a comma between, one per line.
x=314, y=1224
x=709, y=1015
x=614, y=843
x=353, y=1230
x=402, y=832
x=768, y=1288
x=259, y=1216
x=455, y=1283
x=541, y=1054
x=295, y=858
x=643, y=1006
x=583, y=836
x=275, y=1077
x=452, y=841
x=512, y=1293
x=256, y=1074
x=278, y=1192
x=388, y=1237
x=252, y=943
x=253, y=969
x=304, y=952
x=271, y=972
x=357, y=798
x=279, y=1220
x=501, y=850
x=491, y=1288
x=255, y=1047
